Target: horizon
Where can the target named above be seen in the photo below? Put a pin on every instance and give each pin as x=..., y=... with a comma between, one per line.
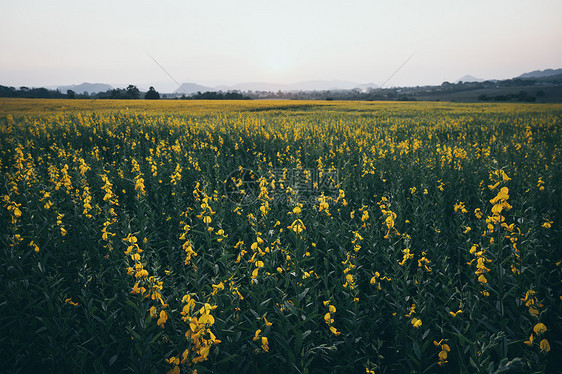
x=231, y=86
x=175, y=89
x=402, y=43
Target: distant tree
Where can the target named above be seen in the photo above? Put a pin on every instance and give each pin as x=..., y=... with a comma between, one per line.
x=8, y=91
x=132, y=92
x=152, y=94
x=42, y=93
x=211, y=95
x=70, y=94
x=114, y=94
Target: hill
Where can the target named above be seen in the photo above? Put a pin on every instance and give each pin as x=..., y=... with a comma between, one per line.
x=86, y=87
x=541, y=73
x=469, y=78
x=191, y=88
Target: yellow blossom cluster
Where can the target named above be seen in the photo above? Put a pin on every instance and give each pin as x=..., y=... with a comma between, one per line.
x=442, y=355
x=328, y=317
x=388, y=216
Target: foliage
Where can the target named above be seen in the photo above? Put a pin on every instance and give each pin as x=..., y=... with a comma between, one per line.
x=218, y=96
x=179, y=236
x=152, y=94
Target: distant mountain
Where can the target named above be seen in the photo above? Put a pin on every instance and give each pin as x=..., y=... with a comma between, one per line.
x=191, y=88
x=86, y=87
x=312, y=85
x=469, y=78
x=541, y=73
x=256, y=86
x=321, y=85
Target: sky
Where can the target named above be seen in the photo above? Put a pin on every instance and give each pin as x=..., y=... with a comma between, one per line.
x=49, y=43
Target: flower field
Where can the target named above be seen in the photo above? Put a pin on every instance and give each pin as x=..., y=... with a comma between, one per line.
x=268, y=236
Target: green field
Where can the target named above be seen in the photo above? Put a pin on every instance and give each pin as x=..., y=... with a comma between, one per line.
x=280, y=236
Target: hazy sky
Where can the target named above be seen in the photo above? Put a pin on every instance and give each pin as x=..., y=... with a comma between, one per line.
x=67, y=42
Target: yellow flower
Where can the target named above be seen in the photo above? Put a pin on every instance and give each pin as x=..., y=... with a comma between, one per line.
x=69, y=301
x=334, y=330
x=492, y=187
x=460, y=207
x=217, y=288
x=173, y=360
x=411, y=310
x=206, y=319
x=365, y=216
x=478, y=213
x=297, y=226
x=136, y=289
x=153, y=312
x=332, y=309
x=454, y=314
x=544, y=345
x=534, y=311
x=34, y=246
x=264, y=344
x=416, y=322
x=539, y=328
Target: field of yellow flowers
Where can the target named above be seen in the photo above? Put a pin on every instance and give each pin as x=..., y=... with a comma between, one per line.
x=268, y=236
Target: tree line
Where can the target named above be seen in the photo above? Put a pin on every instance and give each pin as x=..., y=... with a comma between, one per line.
x=130, y=93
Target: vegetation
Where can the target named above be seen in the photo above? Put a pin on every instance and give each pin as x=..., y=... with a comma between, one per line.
x=209, y=95
x=532, y=89
x=27, y=92
x=152, y=94
x=259, y=236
